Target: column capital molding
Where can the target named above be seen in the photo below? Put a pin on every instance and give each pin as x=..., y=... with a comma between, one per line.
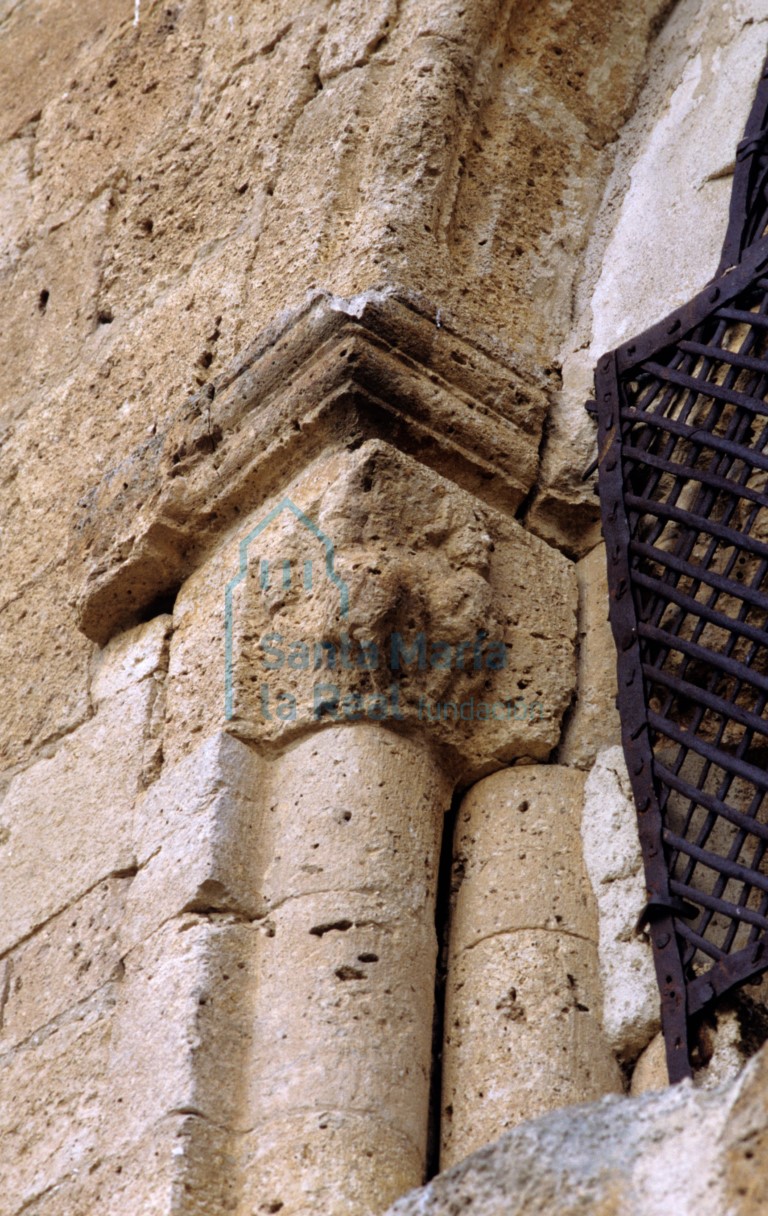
x=385, y=364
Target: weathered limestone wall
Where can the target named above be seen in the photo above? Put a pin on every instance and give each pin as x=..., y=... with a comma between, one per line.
x=332, y=254
x=137, y=267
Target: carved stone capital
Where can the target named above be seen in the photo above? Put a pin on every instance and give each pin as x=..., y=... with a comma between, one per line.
x=375, y=590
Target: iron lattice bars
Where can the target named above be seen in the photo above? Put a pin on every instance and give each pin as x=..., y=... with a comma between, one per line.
x=683, y=481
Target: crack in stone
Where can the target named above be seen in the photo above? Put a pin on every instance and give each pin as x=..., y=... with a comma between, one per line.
x=72, y=1014
x=5, y=986
x=129, y=871
x=509, y=932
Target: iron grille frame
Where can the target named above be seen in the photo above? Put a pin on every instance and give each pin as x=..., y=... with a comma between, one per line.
x=682, y=414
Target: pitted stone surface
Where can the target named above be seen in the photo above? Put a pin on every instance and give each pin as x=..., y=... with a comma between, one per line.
x=343, y=972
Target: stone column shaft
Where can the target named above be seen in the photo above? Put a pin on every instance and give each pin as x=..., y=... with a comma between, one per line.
x=523, y=1009
x=344, y=974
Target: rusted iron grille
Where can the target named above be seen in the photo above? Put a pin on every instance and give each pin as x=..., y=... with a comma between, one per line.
x=683, y=476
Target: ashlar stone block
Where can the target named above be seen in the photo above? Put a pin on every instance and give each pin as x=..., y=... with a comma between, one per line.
x=593, y=723
x=194, y=835
x=69, y=816
x=70, y=957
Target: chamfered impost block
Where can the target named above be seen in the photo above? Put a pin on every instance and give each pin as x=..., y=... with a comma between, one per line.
x=337, y=373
